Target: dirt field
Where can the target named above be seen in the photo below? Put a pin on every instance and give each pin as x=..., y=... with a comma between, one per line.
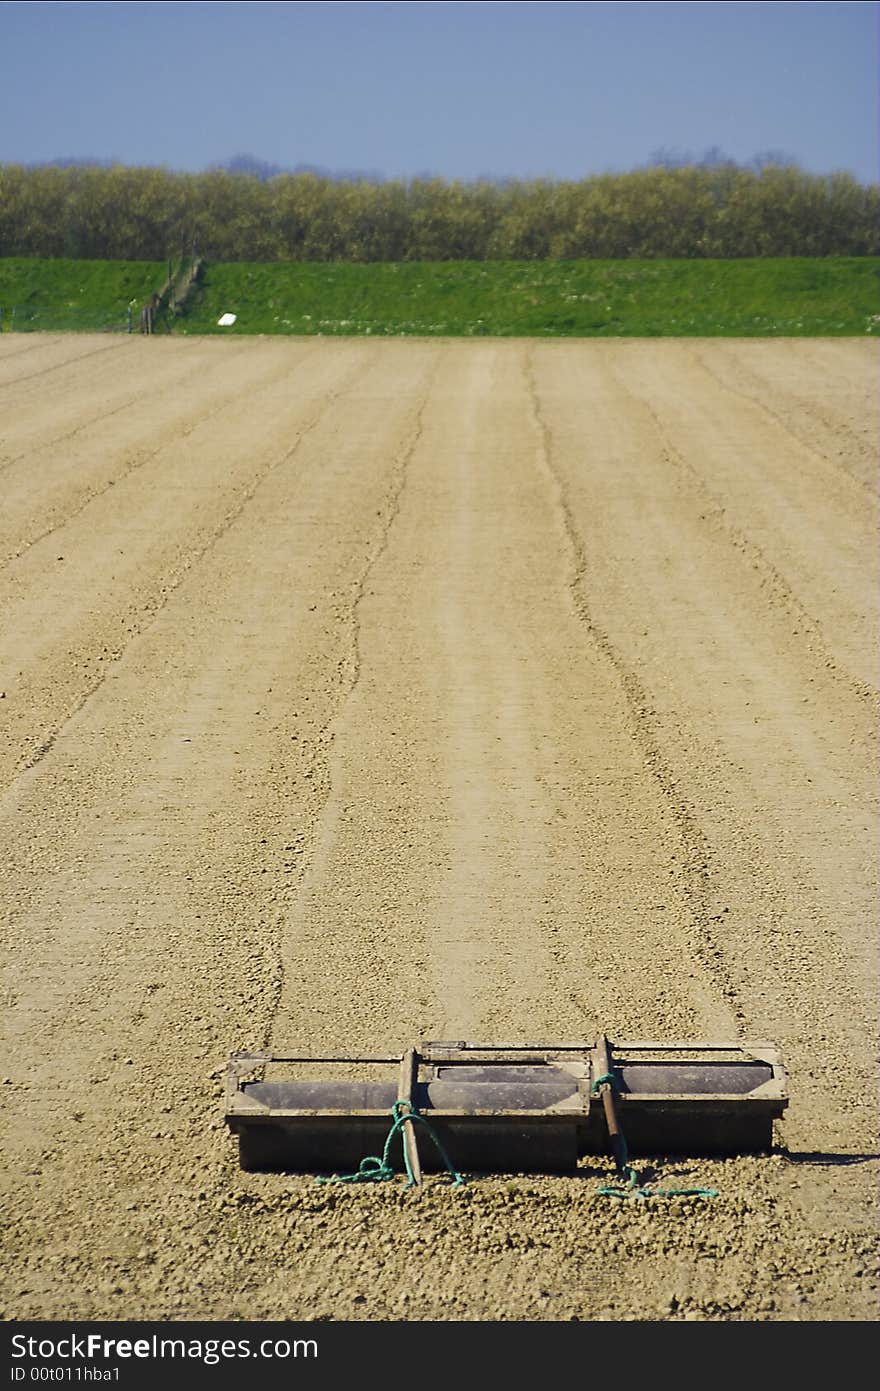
x=360, y=692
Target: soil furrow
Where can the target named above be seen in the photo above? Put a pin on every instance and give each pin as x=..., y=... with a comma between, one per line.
x=808, y=516
x=59, y=487
x=838, y=442
x=160, y=382
x=791, y=928
x=696, y=854
x=74, y=360
x=32, y=598
x=774, y=588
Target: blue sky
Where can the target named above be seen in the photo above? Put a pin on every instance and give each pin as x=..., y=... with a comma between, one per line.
x=455, y=89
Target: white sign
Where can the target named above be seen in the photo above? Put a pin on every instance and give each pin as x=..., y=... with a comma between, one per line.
x=226, y=319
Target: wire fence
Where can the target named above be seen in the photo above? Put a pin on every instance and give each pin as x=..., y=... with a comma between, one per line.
x=61, y=318
x=155, y=315
x=169, y=302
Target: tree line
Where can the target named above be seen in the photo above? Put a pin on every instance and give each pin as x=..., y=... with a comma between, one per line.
x=150, y=214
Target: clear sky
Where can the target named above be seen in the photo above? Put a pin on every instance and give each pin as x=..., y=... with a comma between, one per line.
x=458, y=89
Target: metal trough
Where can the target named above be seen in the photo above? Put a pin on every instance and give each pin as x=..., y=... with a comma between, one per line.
x=515, y=1108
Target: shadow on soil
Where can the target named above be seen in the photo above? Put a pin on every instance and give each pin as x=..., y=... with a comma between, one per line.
x=825, y=1160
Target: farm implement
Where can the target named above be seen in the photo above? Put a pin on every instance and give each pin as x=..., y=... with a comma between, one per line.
x=524, y=1108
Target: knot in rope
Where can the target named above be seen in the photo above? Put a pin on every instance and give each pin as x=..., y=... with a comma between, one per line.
x=379, y=1169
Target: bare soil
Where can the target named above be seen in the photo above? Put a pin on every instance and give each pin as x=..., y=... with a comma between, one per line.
x=359, y=692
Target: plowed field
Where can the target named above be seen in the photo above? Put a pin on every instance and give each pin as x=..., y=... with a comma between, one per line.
x=360, y=692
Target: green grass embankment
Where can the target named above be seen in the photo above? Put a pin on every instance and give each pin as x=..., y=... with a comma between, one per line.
x=795, y=297
x=65, y=294
x=755, y=298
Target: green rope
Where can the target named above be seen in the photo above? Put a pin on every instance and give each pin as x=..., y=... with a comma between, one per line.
x=635, y=1189
x=374, y=1169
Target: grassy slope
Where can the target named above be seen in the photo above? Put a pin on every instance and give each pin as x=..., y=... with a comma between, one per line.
x=796, y=297
x=83, y=287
